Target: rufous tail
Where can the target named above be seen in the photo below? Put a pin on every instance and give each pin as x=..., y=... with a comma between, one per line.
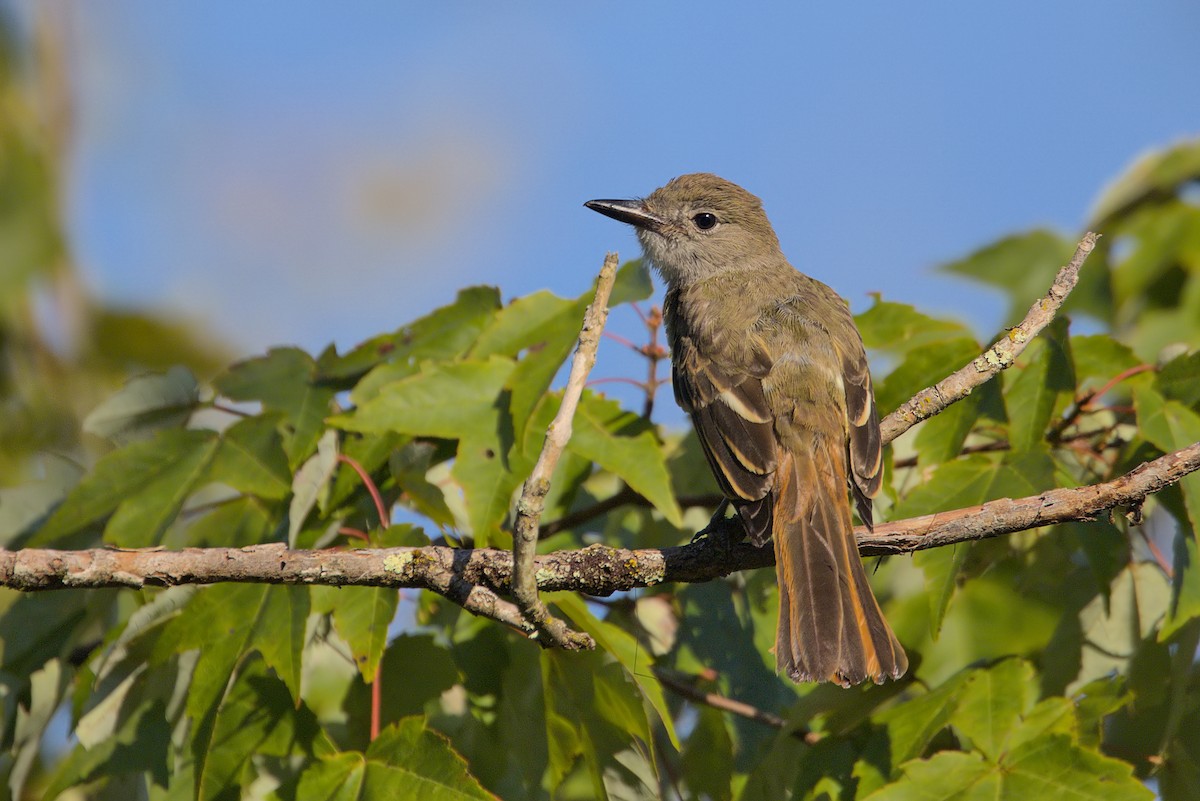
x=830, y=625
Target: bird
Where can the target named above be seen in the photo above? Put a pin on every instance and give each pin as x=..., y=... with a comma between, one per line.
x=771, y=369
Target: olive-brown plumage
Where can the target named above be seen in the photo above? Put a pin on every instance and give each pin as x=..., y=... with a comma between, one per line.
x=768, y=364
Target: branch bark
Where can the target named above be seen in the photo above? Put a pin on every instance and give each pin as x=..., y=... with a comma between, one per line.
x=532, y=503
x=475, y=578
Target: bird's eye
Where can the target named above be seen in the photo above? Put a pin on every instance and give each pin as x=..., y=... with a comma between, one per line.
x=704, y=221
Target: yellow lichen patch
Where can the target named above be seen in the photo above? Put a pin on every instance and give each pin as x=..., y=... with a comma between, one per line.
x=397, y=562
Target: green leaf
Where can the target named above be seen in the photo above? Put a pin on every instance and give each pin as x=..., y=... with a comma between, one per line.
x=407, y=759
x=1185, y=603
x=545, y=327
x=1153, y=286
x=138, y=748
x=991, y=703
x=146, y=404
x=1158, y=172
x=234, y=524
x=26, y=507
x=1098, y=358
x=311, y=484
x=941, y=567
x=631, y=284
x=910, y=726
x=940, y=438
x=124, y=475
x=371, y=451
x=251, y=459
x=1050, y=766
x=1114, y=627
x=225, y=623
x=947, y=776
x=144, y=516
x=361, y=617
x=451, y=401
x=1179, y=379
x=707, y=758
x=1018, y=622
x=441, y=335
x=1022, y=266
x=415, y=670
x=410, y=467
x=967, y=481
x=1053, y=715
x=530, y=322
x=284, y=380
x=489, y=471
x=593, y=711
x=1169, y=425
x=1094, y=702
x=623, y=443
x=1041, y=382
x=899, y=327
x=257, y=717
x=637, y=662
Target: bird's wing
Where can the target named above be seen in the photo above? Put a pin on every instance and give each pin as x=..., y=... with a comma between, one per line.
x=863, y=443
x=735, y=425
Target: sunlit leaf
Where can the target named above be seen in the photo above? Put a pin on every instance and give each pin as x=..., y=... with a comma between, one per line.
x=623, y=443
x=251, y=459
x=284, y=380
x=441, y=335
x=899, y=327
x=157, y=465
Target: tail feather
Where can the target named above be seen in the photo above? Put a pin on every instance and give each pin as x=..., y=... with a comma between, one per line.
x=830, y=625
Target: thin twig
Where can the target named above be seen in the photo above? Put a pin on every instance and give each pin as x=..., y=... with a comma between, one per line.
x=654, y=354
x=726, y=704
x=385, y=522
x=380, y=507
x=533, y=495
x=1002, y=354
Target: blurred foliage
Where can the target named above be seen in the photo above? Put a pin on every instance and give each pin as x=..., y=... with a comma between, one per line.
x=61, y=351
x=1057, y=663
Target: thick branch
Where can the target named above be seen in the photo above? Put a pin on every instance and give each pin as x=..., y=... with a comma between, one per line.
x=533, y=496
x=596, y=570
x=1002, y=354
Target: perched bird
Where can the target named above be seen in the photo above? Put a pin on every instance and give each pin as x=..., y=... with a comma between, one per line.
x=770, y=367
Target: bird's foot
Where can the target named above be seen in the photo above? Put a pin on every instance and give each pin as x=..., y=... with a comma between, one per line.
x=717, y=524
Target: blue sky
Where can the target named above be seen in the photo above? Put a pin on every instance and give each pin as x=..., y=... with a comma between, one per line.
x=290, y=174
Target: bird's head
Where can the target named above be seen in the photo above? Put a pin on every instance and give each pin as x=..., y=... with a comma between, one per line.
x=696, y=226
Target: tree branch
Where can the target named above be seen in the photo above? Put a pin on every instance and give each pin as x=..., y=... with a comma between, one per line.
x=473, y=578
x=533, y=495
x=1002, y=354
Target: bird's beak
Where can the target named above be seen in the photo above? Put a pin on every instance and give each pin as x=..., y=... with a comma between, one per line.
x=627, y=211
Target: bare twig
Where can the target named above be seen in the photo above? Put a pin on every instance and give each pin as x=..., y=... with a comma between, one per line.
x=385, y=519
x=533, y=496
x=472, y=578
x=727, y=704
x=1002, y=354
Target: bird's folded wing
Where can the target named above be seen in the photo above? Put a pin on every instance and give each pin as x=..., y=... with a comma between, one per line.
x=736, y=428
